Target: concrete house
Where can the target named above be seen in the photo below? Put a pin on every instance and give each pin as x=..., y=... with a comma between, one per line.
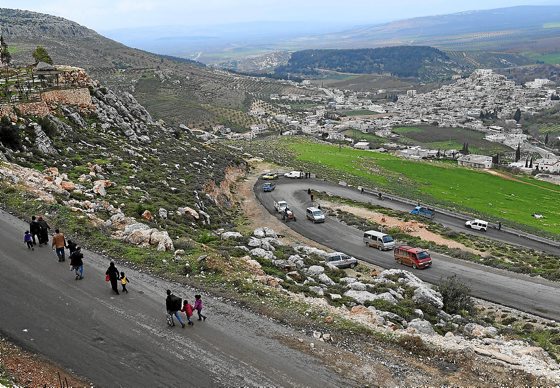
x=475, y=161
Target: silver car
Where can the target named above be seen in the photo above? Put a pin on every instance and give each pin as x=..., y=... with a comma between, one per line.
x=341, y=260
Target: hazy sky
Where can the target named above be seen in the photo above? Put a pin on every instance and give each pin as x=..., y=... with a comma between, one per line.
x=113, y=14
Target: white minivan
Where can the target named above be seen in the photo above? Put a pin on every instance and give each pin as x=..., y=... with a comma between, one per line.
x=379, y=240
x=477, y=225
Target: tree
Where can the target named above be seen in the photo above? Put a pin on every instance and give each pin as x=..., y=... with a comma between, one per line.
x=527, y=162
x=518, y=153
x=517, y=115
x=531, y=163
x=41, y=55
x=456, y=298
x=9, y=134
x=5, y=56
x=546, y=139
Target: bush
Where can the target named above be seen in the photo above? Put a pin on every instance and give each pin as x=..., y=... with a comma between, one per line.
x=9, y=134
x=456, y=296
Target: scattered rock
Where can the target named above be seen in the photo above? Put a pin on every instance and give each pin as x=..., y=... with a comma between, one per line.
x=421, y=326
x=315, y=270
x=231, y=235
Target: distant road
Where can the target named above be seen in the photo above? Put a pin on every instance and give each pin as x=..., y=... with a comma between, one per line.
x=123, y=341
x=533, y=295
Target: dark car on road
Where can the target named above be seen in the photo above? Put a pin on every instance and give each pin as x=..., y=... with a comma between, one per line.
x=268, y=187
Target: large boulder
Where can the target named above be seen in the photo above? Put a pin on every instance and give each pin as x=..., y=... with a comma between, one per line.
x=254, y=242
x=324, y=279
x=128, y=229
x=189, y=212
x=424, y=295
x=421, y=326
x=478, y=331
x=366, y=296
x=100, y=187
x=358, y=286
x=259, y=252
x=310, y=250
x=231, y=235
x=297, y=260
x=162, y=240
x=315, y=270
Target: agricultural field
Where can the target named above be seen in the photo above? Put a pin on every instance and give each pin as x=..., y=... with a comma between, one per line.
x=449, y=138
x=548, y=58
x=510, y=199
x=357, y=135
x=360, y=112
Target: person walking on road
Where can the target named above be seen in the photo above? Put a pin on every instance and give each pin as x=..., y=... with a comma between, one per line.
x=43, y=231
x=173, y=305
x=71, y=245
x=58, y=244
x=113, y=274
x=198, y=306
x=28, y=240
x=188, y=310
x=34, y=229
x=77, y=263
x=124, y=282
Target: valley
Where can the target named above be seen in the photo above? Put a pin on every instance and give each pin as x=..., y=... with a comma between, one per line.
x=157, y=163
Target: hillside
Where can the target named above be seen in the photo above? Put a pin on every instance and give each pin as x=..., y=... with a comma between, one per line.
x=402, y=61
x=176, y=90
x=513, y=28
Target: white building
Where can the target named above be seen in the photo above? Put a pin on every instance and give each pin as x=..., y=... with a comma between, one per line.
x=362, y=145
x=548, y=165
x=475, y=161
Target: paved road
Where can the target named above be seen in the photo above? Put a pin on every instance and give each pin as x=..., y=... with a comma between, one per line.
x=123, y=341
x=532, y=295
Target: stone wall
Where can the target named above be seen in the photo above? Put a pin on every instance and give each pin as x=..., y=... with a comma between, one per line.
x=77, y=97
x=27, y=108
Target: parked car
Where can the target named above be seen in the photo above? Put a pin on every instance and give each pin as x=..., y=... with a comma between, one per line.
x=341, y=260
x=477, y=225
x=314, y=214
x=294, y=174
x=379, y=240
x=280, y=206
x=423, y=211
x=268, y=187
x=269, y=176
x=416, y=258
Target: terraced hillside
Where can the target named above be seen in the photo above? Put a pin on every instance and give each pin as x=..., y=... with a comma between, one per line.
x=178, y=91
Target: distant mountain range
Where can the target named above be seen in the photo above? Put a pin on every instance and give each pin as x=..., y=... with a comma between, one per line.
x=514, y=28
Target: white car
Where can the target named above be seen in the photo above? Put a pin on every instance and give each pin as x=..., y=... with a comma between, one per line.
x=294, y=174
x=280, y=206
x=477, y=225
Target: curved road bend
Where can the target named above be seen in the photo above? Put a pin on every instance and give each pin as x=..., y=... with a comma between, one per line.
x=533, y=295
x=123, y=341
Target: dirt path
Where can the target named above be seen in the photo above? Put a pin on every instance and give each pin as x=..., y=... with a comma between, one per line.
x=413, y=228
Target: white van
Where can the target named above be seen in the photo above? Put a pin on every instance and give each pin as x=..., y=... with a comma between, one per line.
x=379, y=240
x=314, y=214
x=477, y=225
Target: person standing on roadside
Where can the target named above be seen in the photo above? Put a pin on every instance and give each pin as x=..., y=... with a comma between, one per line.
x=113, y=274
x=43, y=231
x=77, y=263
x=58, y=244
x=34, y=229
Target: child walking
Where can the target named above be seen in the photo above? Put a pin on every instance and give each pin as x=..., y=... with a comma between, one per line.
x=198, y=307
x=188, y=310
x=124, y=282
x=28, y=239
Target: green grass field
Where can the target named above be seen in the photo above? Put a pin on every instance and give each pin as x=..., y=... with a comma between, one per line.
x=352, y=113
x=449, y=138
x=359, y=135
x=550, y=58
x=478, y=192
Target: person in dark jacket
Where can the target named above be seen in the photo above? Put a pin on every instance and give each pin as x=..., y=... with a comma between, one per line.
x=113, y=274
x=43, y=231
x=77, y=263
x=34, y=229
x=71, y=245
x=173, y=305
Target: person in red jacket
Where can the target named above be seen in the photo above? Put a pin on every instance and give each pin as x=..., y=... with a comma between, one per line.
x=188, y=310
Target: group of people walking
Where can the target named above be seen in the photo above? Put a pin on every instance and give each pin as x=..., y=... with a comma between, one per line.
x=174, y=306
x=38, y=234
